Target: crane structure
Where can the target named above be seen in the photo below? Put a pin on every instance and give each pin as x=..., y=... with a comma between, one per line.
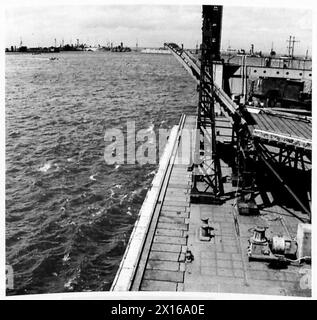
x=207, y=179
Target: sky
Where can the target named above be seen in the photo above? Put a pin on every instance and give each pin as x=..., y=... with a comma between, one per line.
x=152, y=25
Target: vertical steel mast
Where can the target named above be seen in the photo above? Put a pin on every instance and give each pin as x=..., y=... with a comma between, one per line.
x=207, y=180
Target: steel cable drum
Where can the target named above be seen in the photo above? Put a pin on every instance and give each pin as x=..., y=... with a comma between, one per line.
x=278, y=244
x=259, y=235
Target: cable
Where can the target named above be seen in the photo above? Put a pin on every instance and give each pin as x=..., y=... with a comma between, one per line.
x=299, y=259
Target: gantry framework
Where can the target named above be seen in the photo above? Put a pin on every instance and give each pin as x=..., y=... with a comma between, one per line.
x=273, y=138
x=207, y=178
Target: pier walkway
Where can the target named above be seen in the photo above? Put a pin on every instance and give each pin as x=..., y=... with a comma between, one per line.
x=175, y=257
x=157, y=262
x=162, y=264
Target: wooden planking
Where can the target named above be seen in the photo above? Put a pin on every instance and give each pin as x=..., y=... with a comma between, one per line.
x=267, y=124
x=292, y=127
x=281, y=126
x=295, y=127
x=275, y=125
x=164, y=268
x=174, y=208
x=174, y=214
x=261, y=123
x=164, y=256
x=150, y=207
x=177, y=193
x=151, y=285
x=170, y=240
x=284, y=126
x=172, y=219
x=174, y=226
x=173, y=194
x=166, y=247
x=176, y=203
x=163, y=265
x=169, y=232
x=305, y=129
x=164, y=275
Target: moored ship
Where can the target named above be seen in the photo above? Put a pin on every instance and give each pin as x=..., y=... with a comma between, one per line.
x=155, y=51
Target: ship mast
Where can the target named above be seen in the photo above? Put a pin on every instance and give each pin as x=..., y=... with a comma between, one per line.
x=291, y=45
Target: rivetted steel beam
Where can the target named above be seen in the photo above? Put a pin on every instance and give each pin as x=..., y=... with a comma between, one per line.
x=279, y=178
x=282, y=138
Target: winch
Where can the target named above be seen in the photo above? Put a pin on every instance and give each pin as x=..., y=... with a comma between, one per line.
x=277, y=248
x=259, y=245
x=284, y=246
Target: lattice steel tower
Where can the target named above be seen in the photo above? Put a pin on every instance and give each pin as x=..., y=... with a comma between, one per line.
x=207, y=179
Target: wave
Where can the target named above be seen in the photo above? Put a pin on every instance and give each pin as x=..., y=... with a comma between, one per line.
x=52, y=164
x=150, y=128
x=92, y=177
x=62, y=158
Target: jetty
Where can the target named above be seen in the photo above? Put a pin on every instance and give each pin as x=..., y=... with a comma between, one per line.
x=229, y=209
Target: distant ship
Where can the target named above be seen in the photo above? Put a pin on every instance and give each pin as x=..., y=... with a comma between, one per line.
x=156, y=51
x=91, y=49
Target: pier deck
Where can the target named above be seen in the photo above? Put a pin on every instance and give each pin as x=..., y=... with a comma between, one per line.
x=275, y=129
x=220, y=264
x=162, y=265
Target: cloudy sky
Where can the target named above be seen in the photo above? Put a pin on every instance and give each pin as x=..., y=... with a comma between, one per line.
x=151, y=25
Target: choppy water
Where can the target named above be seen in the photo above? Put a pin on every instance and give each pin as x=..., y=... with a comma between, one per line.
x=69, y=214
